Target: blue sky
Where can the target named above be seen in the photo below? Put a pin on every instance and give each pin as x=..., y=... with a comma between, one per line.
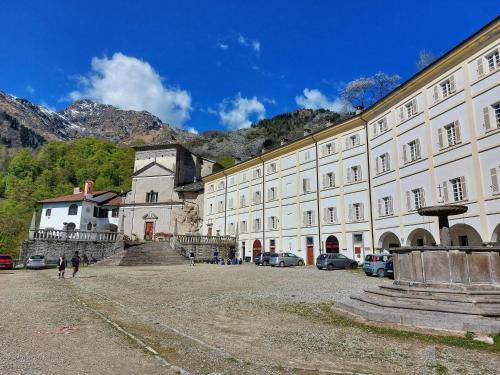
x=218, y=64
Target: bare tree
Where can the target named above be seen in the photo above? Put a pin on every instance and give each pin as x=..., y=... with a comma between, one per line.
x=425, y=58
x=365, y=91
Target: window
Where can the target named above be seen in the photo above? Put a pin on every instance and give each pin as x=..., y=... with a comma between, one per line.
x=306, y=185
x=408, y=110
x=73, y=209
x=329, y=180
x=458, y=189
x=243, y=177
x=414, y=148
x=256, y=197
x=230, y=203
x=328, y=148
x=115, y=212
x=496, y=108
x=220, y=206
x=330, y=215
x=152, y=197
x=256, y=225
x=446, y=88
x=356, y=212
x=352, y=141
x=273, y=222
x=308, y=218
x=380, y=126
x=493, y=60
x=271, y=168
x=243, y=201
x=271, y=194
x=354, y=174
x=48, y=212
x=221, y=185
x=494, y=180
x=231, y=229
x=232, y=181
x=415, y=199
x=382, y=163
x=243, y=227
x=486, y=115
x=257, y=173
x=385, y=206
x=211, y=188
x=451, y=135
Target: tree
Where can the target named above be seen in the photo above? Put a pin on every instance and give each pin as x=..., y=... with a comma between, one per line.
x=365, y=91
x=425, y=58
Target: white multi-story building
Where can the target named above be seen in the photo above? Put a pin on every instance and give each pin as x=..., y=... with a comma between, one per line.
x=354, y=187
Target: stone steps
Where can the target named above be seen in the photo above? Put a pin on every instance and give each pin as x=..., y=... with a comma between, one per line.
x=151, y=254
x=438, y=297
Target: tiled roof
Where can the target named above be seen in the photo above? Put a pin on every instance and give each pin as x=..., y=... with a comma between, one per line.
x=195, y=186
x=73, y=197
x=116, y=201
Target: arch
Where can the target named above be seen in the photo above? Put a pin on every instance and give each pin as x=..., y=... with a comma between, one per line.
x=256, y=248
x=420, y=237
x=465, y=235
x=495, y=237
x=70, y=226
x=332, y=244
x=388, y=240
x=73, y=209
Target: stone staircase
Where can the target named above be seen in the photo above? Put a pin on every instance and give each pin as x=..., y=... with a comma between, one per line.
x=145, y=254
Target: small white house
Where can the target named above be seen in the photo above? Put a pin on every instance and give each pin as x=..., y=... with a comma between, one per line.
x=87, y=210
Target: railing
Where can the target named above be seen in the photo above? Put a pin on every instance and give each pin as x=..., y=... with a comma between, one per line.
x=202, y=246
x=73, y=235
x=192, y=239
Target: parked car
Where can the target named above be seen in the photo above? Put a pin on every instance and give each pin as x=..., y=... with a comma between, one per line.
x=36, y=262
x=375, y=264
x=389, y=269
x=331, y=261
x=262, y=259
x=285, y=259
x=6, y=262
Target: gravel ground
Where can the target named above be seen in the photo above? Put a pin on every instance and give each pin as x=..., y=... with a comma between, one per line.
x=213, y=319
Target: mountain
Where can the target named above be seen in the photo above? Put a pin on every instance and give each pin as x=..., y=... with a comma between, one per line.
x=24, y=124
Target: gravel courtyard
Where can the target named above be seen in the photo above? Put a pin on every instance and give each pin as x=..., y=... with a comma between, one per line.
x=207, y=319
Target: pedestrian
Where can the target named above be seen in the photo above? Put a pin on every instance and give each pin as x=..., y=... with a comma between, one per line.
x=191, y=258
x=86, y=261
x=62, y=266
x=75, y=262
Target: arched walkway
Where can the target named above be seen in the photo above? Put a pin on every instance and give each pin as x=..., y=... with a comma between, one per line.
x=388, y=240
x=495, y=238
x=465, y=235
x=256, y=248
x=420, y=237
x=332, y=244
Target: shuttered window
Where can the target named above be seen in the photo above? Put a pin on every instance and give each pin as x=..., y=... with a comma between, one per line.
x=328, y=180
x=494, y=180
x=493, y=60
x=458, y=189
x=306, y=185
x=330, y=215
x=308, y=218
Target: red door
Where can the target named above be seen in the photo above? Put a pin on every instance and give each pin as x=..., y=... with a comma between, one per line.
x=148, y=233
x=257, y=247
x=310, y=255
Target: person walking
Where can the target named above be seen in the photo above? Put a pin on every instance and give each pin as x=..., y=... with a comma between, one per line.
x=191, y=258
x=75, y=262
x=62, y=266
x=86, y=261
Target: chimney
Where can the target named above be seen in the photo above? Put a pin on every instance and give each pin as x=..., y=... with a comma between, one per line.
x=307, y=131
x=89, y=188
x=77, y=190
x=359, y=109
x=283, y=141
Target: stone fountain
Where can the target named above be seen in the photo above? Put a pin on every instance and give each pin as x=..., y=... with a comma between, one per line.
x=446, y=287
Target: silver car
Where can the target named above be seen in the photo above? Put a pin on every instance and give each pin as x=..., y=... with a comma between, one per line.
x=36, y=261
x=285, y=259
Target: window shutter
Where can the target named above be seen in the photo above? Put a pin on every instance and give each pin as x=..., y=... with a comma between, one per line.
x=349, y=175
x=323, y=150
x=417, y=144
x=480, y=69
x=391, y=210
x=486, y=115
x=347, y=143
x=350, y=215
x=385, y=123
x=312, y=218
x=415, y=105
x=304, y=218
x=435, y=94
x=388, y=161
x=401, y=114
x=494, y=180
x=408, y=200
x=304, y=187
x=464, y=187
x=445, y=191
x=380, y=207
x=374, y=129
x=453, y=85
x=405, y=153
x=457, y=131
x=325, y=180
x=377, y=165
x=361, y=212
x=440, y=137
x=270, y=222
x=335, y=219
x=308, y=185
x=422, y=194
x=359, y=173
x=325, y=215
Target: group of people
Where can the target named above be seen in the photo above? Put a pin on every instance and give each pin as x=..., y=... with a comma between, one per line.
x=215, y=258
x=75, y=263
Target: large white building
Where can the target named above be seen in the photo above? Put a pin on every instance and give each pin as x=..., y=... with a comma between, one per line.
x=354, y=187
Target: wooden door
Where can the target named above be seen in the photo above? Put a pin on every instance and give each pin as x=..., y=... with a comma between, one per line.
x=148, y=233
x=257, y=247
x=310, y=255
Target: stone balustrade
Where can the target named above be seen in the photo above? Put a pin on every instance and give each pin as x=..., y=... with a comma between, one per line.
x=202, y=246
x=73, y=235
x=191, y=239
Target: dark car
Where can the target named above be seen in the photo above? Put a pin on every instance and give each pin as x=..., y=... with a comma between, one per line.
x=331, y=261
x=389, y=269
x=262, y=259
x=6, y=262
x=375, y=264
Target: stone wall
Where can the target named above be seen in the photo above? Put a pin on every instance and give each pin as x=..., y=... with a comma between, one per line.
x=53, y=249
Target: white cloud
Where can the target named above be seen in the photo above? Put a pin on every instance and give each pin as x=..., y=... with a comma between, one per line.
x=130, y=83
x=222, y=45
x=30, y=89
x=240, y=112
x=247, y=42
x=315, y=99
x=192, y=130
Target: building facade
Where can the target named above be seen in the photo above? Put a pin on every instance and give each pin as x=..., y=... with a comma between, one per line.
x=355, y=187
x=167, y=193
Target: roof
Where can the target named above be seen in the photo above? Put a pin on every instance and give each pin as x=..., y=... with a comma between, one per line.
x=194, y=186
x=474, y=41
x=164, y=146
x=98, y=197
x=116, y=201
x=146, y=167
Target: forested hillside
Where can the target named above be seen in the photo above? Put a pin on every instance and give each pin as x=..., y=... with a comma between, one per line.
x=54, y=169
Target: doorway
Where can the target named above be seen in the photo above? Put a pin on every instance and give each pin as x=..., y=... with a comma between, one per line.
x=332, y=245
x=257, y=248
x=148, y=231
x=310, y=250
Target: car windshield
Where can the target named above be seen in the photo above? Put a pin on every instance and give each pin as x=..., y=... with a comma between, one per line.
x=323, y=256
x=274, y=255
x=37, y=257
x=5, y=257
x=369, y=258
